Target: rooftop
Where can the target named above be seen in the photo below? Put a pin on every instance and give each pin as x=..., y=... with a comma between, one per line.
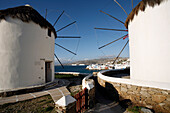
x=141, y=6
x=26, y=14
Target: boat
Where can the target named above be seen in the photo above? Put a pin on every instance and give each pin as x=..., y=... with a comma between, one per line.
x=81, y=64
x=74, y=64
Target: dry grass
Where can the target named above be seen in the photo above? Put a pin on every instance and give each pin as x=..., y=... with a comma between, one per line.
x=38, y=105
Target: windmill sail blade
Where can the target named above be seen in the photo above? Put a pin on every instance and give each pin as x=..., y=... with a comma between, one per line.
x=111, y=29
x=65, y=49
x=120, y=52
x=59, y=61
x=66, y=26
x=132, y=4
x=68, y=37
x=112, y=17
x=121, y=7
x=58, y=18
x=112, y=42
x=45, y=13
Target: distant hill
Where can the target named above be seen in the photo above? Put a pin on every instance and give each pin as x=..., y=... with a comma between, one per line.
x=94, y=61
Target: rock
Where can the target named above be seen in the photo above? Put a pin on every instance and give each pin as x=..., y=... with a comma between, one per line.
x=144, y=89
x=168, y=99
x=116, y=84
x=129, y=86
x=134, y=87
x=149, y=106
x=123, y=89
x=161, y=104
x=145, y=110
x=165, y=92
x=158, y=98
x=145, y=94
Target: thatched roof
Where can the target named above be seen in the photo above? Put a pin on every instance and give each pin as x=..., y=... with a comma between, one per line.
x=26, y=14
x=141, y=6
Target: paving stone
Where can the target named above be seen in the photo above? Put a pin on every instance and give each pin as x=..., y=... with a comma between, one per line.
x=40, y=94
x=56, y=94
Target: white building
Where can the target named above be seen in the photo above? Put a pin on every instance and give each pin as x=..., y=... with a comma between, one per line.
x=26, y=48
x=149, y=37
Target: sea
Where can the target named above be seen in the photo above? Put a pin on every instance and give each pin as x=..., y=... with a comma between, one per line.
x=81, y=69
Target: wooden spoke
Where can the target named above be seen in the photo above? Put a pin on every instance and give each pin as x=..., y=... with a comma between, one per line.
x=59, y=61
x=112, y=17
x=121, y=7
x=66, y=26
x=65, y=49
x=58, y=18
x=112, y=42
x=111, y=29
x=120, y=52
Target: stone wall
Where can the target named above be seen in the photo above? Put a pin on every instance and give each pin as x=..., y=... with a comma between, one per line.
x=71, y=108
x=89, y=83
x=153, y=98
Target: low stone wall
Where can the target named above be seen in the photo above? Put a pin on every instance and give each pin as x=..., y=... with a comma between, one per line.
x=71, y=73
x=71, y=108
x=153, y=98
x=89, y=83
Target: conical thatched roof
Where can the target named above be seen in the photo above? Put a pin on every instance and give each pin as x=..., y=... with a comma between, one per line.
x=141, y=6
x=26, y=14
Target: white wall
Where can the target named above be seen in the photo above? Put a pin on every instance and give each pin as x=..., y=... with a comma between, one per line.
x=142, y=83
x=22, y=46
x=149, y=34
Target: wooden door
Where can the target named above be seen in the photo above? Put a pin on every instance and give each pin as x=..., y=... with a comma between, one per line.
x=48, y=72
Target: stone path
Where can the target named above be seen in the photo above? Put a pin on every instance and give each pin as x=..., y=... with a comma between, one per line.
x=104, y=104
x=56, y=94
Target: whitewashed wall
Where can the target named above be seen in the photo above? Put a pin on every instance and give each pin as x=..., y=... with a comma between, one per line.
x=149, y=34
x=23, y=46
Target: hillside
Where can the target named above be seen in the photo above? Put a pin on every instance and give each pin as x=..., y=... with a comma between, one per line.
x=94, y=61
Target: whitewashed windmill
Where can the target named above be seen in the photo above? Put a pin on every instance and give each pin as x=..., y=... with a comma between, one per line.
x=27, y=43
x=148, y=32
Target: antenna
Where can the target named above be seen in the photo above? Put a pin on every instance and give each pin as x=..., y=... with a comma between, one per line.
x=132, y=4
x=46, y=14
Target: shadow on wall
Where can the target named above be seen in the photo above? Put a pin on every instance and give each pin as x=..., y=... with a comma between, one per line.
x=113, y=94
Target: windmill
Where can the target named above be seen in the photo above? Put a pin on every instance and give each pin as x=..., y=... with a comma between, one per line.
x=64, y=37
x=116, y=30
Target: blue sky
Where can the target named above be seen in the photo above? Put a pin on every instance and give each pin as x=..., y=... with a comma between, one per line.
x=87, y=15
